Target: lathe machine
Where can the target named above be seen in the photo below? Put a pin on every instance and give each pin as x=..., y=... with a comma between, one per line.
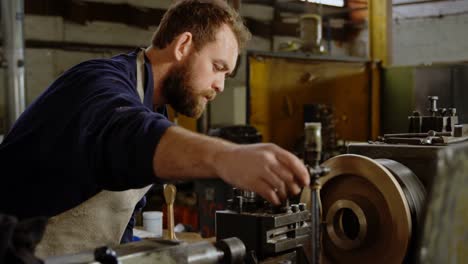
x=401, y=199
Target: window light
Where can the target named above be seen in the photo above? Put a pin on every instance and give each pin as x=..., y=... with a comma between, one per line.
x=339, y=3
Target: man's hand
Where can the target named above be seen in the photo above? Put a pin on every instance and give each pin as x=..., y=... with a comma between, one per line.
x=266, y=169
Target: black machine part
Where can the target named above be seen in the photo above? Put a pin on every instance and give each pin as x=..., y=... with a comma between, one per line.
x=266, y=233
x=439, y=119
x=415, y=194
x=412, y=187
x=233, y=250
x=241, y=134
x=225, y=251
x=312, y=157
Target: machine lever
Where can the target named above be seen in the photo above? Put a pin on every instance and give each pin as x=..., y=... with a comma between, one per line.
x=169, y=195
x=312, y=156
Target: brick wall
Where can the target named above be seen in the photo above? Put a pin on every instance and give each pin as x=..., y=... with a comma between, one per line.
x=430, y=33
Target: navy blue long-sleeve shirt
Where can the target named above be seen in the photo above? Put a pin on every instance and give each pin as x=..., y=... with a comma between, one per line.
x=89, y=131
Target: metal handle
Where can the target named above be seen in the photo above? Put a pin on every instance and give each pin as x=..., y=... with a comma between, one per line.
x=169, y=195
x=316, y=217
x=433, y=103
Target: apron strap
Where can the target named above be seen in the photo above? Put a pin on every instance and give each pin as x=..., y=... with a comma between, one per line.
x=140, y=73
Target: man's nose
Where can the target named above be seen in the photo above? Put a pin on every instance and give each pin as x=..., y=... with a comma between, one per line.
x=218, y=84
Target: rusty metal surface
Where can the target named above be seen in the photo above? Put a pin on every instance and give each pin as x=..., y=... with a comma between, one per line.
x=445, y=234
x=367, y=216
x=374, y=190
x=422, y=160
x=279, y=87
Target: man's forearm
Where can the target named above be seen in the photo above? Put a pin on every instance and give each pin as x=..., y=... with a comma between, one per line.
x=182, y=154
x=266, y=169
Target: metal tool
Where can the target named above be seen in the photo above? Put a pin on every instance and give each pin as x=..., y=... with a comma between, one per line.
x=429, y=138
x=169, y=195
x=433, y=102
x=226, y=251
x=430, y=133
x=268, y=231
x=439, y=119
x=312, y=156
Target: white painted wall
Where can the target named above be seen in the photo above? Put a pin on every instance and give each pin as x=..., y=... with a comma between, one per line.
x=430, y=32
x=44, y=65
x=95, y=32
x=229, y=108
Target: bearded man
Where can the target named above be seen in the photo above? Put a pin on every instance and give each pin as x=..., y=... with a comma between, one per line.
x=87, y=150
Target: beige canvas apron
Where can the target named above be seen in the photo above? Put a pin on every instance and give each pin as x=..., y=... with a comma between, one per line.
x=99, y=221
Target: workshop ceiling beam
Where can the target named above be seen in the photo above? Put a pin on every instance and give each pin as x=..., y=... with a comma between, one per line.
x=83, y=12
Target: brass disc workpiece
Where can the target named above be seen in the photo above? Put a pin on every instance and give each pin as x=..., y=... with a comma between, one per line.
x=366, y=216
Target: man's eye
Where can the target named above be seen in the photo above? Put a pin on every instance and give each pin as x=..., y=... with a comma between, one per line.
x=216, y=67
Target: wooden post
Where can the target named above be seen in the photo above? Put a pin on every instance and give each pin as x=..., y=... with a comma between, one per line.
x=380, y=30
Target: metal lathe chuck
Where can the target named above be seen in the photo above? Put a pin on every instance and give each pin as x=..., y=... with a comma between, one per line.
x=370, y=210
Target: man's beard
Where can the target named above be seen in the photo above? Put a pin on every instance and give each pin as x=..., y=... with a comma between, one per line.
x=180, y=94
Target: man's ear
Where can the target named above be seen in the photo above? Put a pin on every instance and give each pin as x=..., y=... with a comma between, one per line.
x=183, y=45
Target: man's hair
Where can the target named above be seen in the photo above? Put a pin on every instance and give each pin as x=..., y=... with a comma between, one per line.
x=202, y=18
